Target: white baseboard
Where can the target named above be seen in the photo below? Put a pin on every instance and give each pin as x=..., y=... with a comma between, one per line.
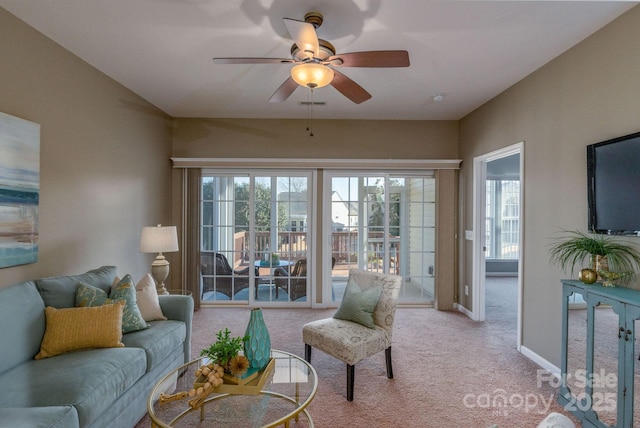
x=545, y=364
x=542, y=362
x=464, y=310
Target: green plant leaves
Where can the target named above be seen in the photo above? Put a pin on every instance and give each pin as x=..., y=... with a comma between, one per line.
x=576, y=247
x=225, y=348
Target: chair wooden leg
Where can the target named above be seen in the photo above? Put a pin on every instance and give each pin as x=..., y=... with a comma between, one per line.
x=307, y=353
x=387, y=354
x=350, y=378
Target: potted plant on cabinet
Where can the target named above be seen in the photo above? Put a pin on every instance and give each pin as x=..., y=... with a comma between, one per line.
x=604, y=253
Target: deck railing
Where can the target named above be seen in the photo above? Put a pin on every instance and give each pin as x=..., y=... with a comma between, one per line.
x=293, y=246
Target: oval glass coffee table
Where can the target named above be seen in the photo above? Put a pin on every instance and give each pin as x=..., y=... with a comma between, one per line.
x=287, y=391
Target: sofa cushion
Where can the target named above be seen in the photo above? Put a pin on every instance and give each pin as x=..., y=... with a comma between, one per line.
x=89, y=380
x=60, y=291
x=39, y=417
x=124, y=290
x=72, y=329
x=158, y=341
x=21, y=324
x=347, y=341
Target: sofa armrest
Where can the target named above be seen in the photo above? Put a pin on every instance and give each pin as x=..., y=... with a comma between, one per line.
x=39, y=417
x=179, y=308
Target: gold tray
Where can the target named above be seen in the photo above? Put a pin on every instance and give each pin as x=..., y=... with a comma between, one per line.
x=253, y=387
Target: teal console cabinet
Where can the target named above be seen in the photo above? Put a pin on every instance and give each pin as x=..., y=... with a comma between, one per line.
x=599, y=356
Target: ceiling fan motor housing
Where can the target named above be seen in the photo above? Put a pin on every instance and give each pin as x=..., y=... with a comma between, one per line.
x=326, y=50
x=314, y=18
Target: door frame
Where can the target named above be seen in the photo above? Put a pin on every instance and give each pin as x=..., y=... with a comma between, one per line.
x=479, y=222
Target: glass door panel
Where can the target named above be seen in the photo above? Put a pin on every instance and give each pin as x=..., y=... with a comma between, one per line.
x=419, y=241
x=225, y=269
x=254, y=231
x=576, y=349
x=604, y=382
x=636, y=375
x=384, y=223
x=281, y=219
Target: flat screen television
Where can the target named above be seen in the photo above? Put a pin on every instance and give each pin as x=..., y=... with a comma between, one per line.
x=613, y=173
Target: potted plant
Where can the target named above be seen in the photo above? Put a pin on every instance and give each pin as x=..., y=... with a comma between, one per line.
x=603, y=253
x=275, y=259
x=225, y=352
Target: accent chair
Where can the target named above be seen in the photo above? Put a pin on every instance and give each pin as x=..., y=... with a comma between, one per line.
x=362, y=326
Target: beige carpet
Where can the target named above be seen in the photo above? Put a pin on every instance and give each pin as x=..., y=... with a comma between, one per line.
x=449, y=371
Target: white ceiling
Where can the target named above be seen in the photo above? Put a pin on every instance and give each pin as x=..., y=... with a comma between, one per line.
x=468, y=51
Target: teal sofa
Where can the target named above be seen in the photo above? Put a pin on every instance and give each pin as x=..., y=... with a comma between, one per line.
x=106, y=387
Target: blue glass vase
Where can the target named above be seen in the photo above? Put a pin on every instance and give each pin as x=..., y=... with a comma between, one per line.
x=257, y=348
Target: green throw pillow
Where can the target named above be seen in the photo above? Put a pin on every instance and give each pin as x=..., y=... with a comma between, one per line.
x=132, y=320
x=358, y=304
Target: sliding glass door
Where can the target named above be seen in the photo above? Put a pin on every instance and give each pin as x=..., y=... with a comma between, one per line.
x=382, y=223
x=258, y=227
x=254, y=237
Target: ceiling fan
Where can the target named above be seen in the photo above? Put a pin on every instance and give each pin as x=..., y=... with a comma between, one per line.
x=316, y=62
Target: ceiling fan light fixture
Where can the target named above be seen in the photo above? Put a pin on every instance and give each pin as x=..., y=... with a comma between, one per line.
x=312, y=75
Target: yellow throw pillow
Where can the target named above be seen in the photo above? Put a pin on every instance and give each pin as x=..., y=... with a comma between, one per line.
x=73, y=329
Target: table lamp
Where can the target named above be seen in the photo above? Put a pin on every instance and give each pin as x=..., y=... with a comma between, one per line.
x=159, y=239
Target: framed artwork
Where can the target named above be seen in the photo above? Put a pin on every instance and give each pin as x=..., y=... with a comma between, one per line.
x=19, y=190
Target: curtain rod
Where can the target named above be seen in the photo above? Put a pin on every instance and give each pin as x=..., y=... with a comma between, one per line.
x=316, y=163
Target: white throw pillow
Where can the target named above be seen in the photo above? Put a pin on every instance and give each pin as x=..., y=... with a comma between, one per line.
x=147, y=298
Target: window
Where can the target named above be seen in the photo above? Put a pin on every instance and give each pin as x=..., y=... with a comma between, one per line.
x=502, y=216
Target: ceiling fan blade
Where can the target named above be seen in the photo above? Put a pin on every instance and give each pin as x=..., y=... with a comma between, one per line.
x=252, y=60
x=284, y=91
x=370, y=59
x=349, y=88
x=305, y=37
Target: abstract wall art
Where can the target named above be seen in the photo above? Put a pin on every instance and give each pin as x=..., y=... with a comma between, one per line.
x=19, y=190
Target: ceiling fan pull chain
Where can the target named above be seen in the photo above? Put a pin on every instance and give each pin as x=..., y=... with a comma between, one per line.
x=310, y=111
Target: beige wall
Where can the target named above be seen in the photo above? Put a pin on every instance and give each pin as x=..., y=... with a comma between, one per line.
x=341, y=139
x=586, y=95
x=104, y=157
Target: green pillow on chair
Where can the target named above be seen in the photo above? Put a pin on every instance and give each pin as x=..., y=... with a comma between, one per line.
x=132, y=320
x=358, y=304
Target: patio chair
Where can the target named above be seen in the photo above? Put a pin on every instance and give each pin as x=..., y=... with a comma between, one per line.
x=218, y=275
x=295, y=283
x=352, y=337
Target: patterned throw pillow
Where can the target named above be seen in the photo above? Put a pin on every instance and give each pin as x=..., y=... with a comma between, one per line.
x=147, y=298
x=132, y=319
x=358, y=304
x=73, y=329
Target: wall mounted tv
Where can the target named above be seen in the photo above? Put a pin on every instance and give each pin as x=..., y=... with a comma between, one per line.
x=613, y=173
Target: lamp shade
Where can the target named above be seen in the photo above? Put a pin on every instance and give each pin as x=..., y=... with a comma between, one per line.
x=159, y=239
x=312, y=75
